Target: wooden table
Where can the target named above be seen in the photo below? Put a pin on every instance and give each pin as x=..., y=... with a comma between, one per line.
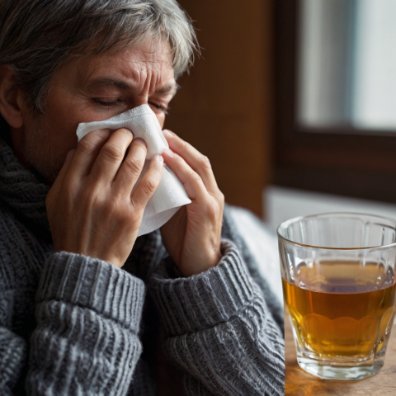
x=298, y=382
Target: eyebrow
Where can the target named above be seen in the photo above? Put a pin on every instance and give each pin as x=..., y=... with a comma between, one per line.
x=167, y=89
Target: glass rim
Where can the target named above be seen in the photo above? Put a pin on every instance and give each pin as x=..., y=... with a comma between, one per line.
x=390, y=223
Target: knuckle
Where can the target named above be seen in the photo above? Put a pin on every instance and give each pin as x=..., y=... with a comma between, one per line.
x=117, y=211
x=183, y=145
x=133, y=165
x=113, y=208
x=91, y=141
x=137, y=207
x=205, y=163
x=140, y=145
x=112, y=153
x=209, y=210
x=88, y=198
x=149, y=186
x=71, y=184
x=88, y=144
x=213, y=207
x=125, y=132
x=136, y=216
x=195, y=178
x=91, y=196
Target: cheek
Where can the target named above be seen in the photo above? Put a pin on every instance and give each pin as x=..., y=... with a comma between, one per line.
x=61, y=124
x=61, y=133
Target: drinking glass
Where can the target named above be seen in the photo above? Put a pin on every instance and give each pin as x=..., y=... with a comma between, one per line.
x=338, y=277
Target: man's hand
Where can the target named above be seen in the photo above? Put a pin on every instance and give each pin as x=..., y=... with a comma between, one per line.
x=96, y=204
x=193, y=236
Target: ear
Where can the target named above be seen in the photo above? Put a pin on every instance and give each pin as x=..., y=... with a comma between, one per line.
x=11, y=97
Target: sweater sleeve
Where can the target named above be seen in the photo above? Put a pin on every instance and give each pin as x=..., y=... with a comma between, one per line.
x=86, y=338
x=220, y=331
x=12, y=360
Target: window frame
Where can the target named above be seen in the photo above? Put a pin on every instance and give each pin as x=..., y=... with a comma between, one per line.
x=342, y=160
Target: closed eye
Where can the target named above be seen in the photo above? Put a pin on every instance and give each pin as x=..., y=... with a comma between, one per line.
x=107, y=102
x=157, y=106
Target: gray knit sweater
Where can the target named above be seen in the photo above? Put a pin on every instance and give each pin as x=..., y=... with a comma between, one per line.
x=75, y=325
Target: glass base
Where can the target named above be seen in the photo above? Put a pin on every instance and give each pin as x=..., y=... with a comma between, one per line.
x=339, y=372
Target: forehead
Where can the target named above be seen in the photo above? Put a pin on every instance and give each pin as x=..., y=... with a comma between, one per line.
x=145, y=50
x=138, y=61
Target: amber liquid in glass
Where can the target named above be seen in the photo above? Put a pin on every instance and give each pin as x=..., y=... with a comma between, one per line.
x=342, y=308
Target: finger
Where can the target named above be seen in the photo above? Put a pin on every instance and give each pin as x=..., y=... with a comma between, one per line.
x=59, y=180
x=111, y=155
x=65, y=168
x=198, y=162
x=86, y=152
x=191, y=180
x=149, y=182
x=131, y=168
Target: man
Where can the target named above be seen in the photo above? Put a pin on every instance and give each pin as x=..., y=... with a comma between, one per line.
x=86, y=306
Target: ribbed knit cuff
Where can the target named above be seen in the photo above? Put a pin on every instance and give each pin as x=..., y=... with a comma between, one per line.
x=201, y=301
x=13, y=354
x=93, y=284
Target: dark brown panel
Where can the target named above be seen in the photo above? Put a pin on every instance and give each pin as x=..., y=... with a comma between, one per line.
x=224, y=106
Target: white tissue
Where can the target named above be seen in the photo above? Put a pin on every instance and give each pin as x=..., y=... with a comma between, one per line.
x=170, y=194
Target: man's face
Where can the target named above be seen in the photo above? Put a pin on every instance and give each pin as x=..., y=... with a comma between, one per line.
x=94, y=88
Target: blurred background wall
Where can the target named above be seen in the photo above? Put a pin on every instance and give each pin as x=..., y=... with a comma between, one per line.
x=245, y=104
x=224, y=106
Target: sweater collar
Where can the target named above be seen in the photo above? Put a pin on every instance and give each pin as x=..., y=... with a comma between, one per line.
x=22, y=191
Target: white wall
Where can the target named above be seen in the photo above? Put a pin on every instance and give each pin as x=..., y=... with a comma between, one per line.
x=281, y=204
x=375, y=65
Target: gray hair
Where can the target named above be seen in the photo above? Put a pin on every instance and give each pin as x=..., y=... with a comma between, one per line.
x=36, y=36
